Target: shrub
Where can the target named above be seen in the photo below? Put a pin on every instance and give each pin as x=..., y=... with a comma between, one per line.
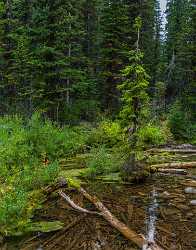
x=150, y=135
x=102, y=161
x=29, y=151
x=20, y=197
x=108, y=133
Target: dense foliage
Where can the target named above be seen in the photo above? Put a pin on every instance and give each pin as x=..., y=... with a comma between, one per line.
x=87, y=84
x=29, y=156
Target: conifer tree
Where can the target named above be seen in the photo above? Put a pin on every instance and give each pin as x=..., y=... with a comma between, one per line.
x=134, y=94
x=115, y=27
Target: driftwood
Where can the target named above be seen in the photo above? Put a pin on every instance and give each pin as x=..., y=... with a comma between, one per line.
x=172, y=171
x=175, y=165
x=138, y=239
x=76, y=207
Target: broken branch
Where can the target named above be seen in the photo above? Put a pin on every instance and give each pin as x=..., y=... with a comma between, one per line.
x=76, y=207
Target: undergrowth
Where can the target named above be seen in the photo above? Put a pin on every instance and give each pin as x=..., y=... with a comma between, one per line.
x=29, y=153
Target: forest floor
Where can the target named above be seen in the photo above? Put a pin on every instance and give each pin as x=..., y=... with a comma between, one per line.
x=169, y=218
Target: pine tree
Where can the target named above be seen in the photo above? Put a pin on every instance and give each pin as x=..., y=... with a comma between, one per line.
x=134, y=87
x=115, y=27
x=134, y=97
x=180, y=51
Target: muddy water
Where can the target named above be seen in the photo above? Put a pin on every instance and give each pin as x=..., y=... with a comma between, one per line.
x=160, y=209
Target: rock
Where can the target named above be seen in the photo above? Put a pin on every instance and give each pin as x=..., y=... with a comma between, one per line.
x=39, y=248
x=190, y=190
x=62, y=182
x=165, y=194
x=193, y=202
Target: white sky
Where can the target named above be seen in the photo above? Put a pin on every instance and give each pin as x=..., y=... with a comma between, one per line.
x=163, y=4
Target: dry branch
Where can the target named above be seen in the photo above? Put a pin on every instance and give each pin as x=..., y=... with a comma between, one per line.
x=76, y=207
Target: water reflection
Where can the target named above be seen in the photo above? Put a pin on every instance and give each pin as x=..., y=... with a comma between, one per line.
x=151, y=220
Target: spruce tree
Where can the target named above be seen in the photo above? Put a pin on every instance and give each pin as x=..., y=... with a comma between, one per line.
x=134, y=96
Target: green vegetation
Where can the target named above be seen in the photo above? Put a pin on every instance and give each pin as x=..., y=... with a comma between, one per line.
x=29, y=156
x=151, y=135
x=181, y=125
x=103, y=161
x=85, y=88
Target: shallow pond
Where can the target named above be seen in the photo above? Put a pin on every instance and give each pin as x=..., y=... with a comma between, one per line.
x=160, y=209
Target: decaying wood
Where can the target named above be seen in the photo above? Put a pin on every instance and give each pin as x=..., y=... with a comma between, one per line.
x=176, y=165
x=76, y=207
x=138, y=239
x=171, y=150
x=172, y=171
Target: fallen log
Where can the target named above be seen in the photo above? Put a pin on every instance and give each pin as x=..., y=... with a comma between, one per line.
x=138, y=239
x=170, y=150
x=172, y=171
x=175, y=165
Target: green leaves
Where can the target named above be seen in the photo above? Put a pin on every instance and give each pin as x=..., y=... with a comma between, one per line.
x=138, y=23
x=133, y=87
x=29, y=154
x=45, y=226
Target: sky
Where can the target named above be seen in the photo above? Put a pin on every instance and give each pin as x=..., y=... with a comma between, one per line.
x=163, y=8
x=163, y=5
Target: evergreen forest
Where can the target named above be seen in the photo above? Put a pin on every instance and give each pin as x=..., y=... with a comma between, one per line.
x=97, y=124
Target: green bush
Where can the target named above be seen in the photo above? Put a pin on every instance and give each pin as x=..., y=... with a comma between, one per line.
x=108, y=133
x=150, y=135
x=102, y=161
x=24, y=148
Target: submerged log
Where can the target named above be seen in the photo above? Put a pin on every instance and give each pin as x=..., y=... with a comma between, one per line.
x=172, y=171
x=175, y=165
x=138, y=239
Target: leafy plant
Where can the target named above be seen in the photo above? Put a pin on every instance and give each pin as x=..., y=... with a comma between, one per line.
x=102, y=161
x=150, y=135
x=108, y=133
x=29, y=154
